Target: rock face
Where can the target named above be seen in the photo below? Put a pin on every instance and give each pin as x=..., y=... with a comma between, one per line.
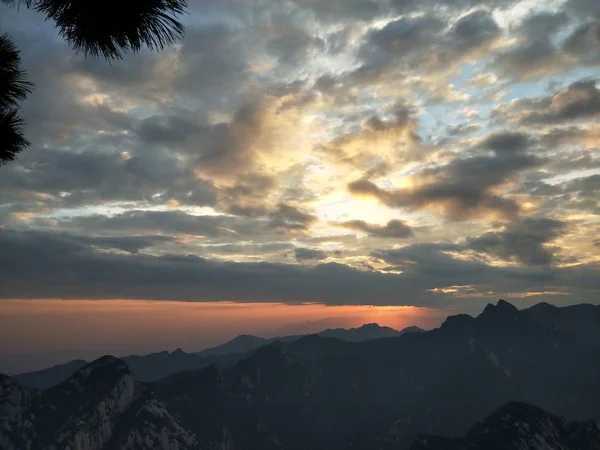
x=519, y=426
x=153, y=427
x=89, y=404
x=16, y=416
x=323, y=393
x=99, y=407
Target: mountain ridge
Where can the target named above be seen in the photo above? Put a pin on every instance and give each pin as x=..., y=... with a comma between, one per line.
x=317, y=392
x=157, y=365
x=518, y=426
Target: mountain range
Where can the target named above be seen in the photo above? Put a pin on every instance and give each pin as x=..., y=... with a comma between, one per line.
x=418, y=390
x=519, y=426
x=155, y=366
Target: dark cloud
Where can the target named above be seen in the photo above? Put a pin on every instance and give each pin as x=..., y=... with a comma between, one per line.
x=434, y=267
x=506, y=143
x=542, y=24
x=282, y=217
x=289, y=43
x=539, y=52
x=393, y=229
x=431, y=266
x=424, y=42
x=343, y=10
x=583, y=8
x=208, y=67
x=531, y=60
x=524, y=242
x=406, y=40
x=472, y=30
x=216, y=121
x=583, y=44
x=66, y=268
x=535, y=54
x=246, y=249
x=175, y=223
x=174, y=130
x=79, y=243
x=463, y=188
x=580, y=100
x=309, y=254
x=65, y=179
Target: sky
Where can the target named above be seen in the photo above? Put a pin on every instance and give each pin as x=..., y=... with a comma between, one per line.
x=297, y=161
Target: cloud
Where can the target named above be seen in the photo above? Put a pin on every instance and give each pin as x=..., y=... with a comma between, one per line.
x=378, y=144
x=525, y=241
x=343, y=10
x=309, y=254
x=464, y=187
x=583, y=43
x=583, y=8
x=535, y=53
x=579, y=101
x=201, y=169
x=66, y=268
x=393, y=229
x=174, y=223
x=282, y=218
x=426, y=44
x=48, y=179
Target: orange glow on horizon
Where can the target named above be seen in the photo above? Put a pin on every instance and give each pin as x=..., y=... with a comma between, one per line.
x=138, y=326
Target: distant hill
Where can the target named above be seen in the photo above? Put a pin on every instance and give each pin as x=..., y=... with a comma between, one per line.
x=244, y=343
x=155, y=366
x=323, y=393
x=41, y=379
x=239, y=344
x=366, y=332
x=519, y=426
x=580, y=321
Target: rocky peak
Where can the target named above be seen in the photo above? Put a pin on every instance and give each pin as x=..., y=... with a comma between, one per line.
x=370, y=326
x=459, y=322
x=87, y=406
x=519, y=423
x=14, y=400
x=519, y=426
x=502, y=311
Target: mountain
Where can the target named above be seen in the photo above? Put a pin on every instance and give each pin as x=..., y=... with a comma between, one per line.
x=322, y=393
x=240, y=344
x=99, y=407
x=581, y=321
x=155, y=366
x=519, y=426
x=41, y=379
x=245, y=343
x=366, y=332
x=151, y=367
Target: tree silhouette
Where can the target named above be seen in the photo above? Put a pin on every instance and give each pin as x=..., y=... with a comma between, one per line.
x=95, y=28
x=13, y=89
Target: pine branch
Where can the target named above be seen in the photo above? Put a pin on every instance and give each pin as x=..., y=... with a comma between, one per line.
x=110, y=27
x=12, y=141
x=13, y=85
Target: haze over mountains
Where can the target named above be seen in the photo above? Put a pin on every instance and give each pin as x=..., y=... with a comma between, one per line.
x=155, y=366
x=324, y=393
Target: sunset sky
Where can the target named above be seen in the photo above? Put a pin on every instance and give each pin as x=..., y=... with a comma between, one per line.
x=301, y=164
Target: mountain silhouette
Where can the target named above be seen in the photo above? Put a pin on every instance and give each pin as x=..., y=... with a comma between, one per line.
x=517, y=426
x=323, y=393
x=154, y=366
